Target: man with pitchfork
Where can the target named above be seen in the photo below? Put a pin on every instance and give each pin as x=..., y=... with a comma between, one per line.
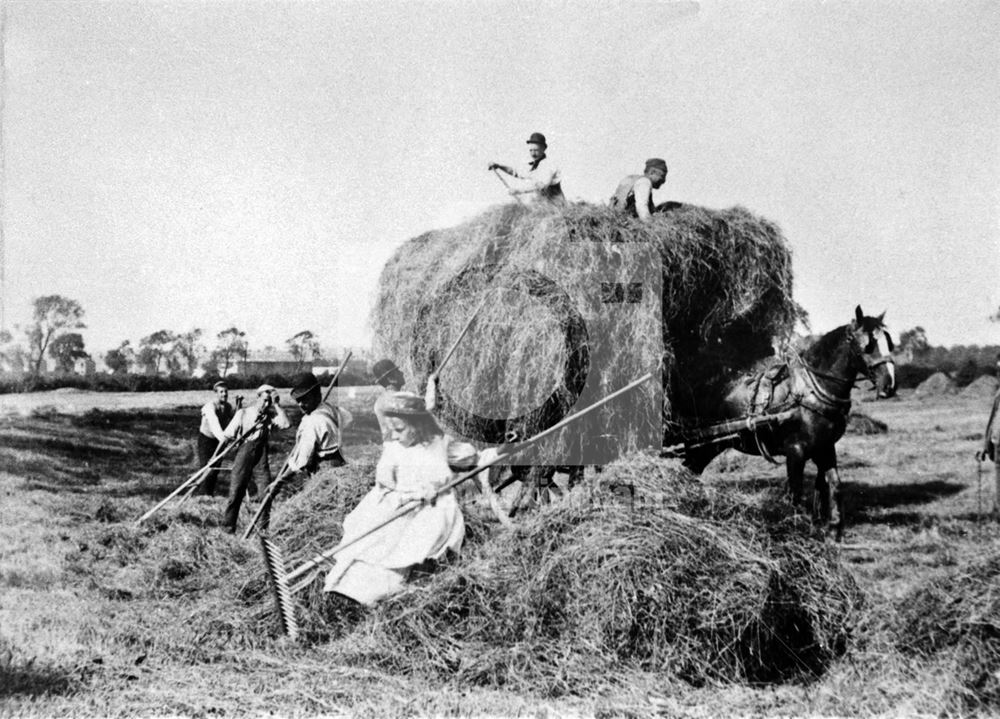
x=541, y=181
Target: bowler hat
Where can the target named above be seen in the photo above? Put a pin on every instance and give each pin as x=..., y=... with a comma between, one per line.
x=537, y=138
x=382, y=369
x=404, y=404
x=657, y=163
x=303, y=384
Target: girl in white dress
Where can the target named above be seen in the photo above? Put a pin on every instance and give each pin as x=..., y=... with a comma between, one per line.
x=416, y=462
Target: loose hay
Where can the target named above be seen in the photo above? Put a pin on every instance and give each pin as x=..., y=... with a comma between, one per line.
x=959, y=616
x=726, y=295
x=858, y=423
x=692, y=583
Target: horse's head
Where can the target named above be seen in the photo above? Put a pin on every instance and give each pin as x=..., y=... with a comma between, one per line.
x=875, y=346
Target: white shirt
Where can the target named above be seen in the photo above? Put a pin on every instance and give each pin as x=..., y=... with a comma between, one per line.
x=542, y=182
x=318, y=435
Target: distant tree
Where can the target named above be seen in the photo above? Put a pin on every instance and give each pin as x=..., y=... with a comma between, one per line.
x=188, y=350
x=120, y=359
x=995, y=317
x=154, y=349
x=66, y=349
x=52, y=315
x=303, y=345
x=914, y=341
x=232, y=346
x=13, y=358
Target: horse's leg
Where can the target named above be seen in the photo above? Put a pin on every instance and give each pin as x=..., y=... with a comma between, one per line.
x=795, y=466
x=828, y=495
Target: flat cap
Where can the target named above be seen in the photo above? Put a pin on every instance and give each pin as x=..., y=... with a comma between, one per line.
x=657, y=163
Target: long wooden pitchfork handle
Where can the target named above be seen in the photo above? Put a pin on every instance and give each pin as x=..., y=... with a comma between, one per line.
x=500, y=177
x=430, y=397
x=189, y=483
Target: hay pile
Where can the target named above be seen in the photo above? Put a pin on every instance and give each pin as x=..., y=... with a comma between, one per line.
x=698, y=584
x=858, y=423
x=984, y=386
x=716, y=291
x=938, y=384
x=958, y=617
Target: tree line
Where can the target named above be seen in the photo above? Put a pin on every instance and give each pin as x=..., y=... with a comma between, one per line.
x=51, y=333
x=55, y=319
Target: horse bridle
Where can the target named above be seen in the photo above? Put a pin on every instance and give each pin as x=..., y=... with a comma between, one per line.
x=869, y=370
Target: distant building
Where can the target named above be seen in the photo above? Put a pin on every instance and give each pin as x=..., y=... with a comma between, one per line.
x=264, y=362
x=85, y=367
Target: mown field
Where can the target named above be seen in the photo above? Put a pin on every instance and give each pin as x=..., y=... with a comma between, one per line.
x=99, y=618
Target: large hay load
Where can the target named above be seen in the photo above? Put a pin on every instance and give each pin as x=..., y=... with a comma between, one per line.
x=579, y=301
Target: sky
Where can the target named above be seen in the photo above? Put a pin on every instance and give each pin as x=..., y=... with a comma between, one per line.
x=173, y=165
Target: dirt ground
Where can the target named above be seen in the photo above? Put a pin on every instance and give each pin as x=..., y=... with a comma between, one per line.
x=80, y=635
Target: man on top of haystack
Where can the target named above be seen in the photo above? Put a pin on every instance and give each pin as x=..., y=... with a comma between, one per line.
x=542, y=181
x=634, y=194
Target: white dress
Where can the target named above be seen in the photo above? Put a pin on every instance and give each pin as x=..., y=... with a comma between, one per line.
x=377, y=565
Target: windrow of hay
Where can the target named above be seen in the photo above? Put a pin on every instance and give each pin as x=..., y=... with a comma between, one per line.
x=685, y=581
x=959, y=615
x=579, y=302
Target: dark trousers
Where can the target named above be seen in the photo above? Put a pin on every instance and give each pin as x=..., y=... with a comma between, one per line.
x=247, y=458
x=206, y=448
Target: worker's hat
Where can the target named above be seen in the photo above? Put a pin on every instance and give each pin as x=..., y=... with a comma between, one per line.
x=657, y=163
x=303, y=383
x=537, y=138
x=404, y=404
x=382, y=369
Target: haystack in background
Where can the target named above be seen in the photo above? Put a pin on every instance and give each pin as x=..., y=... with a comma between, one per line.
x=858, y=423
x=688, y=582
x=701, y=294
x=983, y=387
x=957, y=618
x=938, y=384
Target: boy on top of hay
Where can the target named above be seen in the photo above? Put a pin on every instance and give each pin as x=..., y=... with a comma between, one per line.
x=418, y=461
x=634, y=194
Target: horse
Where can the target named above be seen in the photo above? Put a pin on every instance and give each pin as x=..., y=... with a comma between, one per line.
x=799, y=409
